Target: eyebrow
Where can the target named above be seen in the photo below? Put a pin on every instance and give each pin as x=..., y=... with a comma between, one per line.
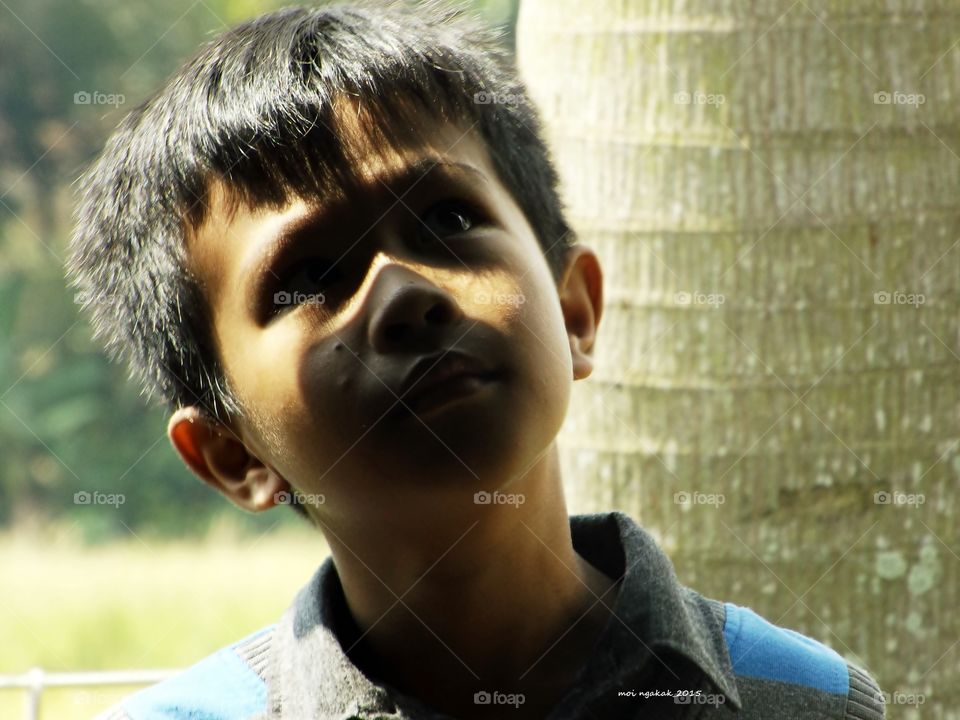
x=257, y=272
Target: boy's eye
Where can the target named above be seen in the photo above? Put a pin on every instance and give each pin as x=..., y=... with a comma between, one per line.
x=306, y=283
x=445, y=219
x=311, y=279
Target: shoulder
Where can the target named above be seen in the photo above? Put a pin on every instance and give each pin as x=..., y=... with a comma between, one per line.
x=777, y=668
x=227, y=685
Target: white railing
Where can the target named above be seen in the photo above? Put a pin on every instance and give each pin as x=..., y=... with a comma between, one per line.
x=34, y=681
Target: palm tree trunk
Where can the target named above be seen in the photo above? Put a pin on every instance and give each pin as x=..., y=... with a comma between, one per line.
x=773, y=191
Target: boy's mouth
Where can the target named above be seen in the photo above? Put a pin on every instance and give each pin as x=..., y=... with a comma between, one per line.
x=442, y=377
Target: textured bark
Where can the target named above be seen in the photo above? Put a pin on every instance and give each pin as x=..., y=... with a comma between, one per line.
x=743, y=351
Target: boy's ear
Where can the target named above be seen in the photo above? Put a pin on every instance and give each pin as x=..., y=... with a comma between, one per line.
x=218, y=457
x=581, y=300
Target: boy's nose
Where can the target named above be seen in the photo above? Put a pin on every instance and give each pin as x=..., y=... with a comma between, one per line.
x=409, y=311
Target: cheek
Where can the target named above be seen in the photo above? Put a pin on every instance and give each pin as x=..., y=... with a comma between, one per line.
x=267, y=377
x=509, y=301
x=544, y=380
x=545, y=337
x=526, y=310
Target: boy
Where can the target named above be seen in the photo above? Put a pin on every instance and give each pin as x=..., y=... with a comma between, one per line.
x=349, y=275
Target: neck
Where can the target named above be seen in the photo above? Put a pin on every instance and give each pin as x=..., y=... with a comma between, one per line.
x=494, y=600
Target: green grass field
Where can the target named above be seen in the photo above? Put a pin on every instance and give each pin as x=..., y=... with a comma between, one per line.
x=137, y=604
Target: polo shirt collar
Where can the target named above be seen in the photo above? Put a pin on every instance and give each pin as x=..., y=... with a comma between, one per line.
x=310, y=674
x=659, y=619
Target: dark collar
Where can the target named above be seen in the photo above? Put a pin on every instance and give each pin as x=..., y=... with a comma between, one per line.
x=658, y=620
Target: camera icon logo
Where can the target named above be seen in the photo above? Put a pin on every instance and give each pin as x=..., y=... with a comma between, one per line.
x=81, y=497
x=681, y=498
x=881, y=98
x=882, y=497
x=282, y=497
x=481, y=698
x=482, y=498
x=82, y=98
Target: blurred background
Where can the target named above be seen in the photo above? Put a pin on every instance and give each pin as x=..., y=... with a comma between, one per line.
x=773, y=193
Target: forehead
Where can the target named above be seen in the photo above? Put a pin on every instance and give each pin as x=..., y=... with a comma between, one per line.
x=234, y=233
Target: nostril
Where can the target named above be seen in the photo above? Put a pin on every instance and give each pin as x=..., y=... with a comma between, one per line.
x=440, y=312
x=395, y=333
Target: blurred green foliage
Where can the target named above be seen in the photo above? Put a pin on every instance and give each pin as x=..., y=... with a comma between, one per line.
x=70, y=421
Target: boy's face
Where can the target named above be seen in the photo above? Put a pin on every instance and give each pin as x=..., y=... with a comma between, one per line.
x=410, y=262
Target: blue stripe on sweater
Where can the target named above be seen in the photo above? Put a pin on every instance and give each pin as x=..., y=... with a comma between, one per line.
x=219, y=687
x=759, y=649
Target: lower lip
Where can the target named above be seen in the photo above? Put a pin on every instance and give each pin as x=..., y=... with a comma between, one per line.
x=444, y=393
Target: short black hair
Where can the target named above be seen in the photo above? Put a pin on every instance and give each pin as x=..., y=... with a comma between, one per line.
x=255, y=108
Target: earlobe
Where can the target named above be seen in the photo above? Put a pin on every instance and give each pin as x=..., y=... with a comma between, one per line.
x=581, y=300
x=582, y=361
x=220, y=458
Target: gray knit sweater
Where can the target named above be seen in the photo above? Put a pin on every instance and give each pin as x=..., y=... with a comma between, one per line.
x=670, y=653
